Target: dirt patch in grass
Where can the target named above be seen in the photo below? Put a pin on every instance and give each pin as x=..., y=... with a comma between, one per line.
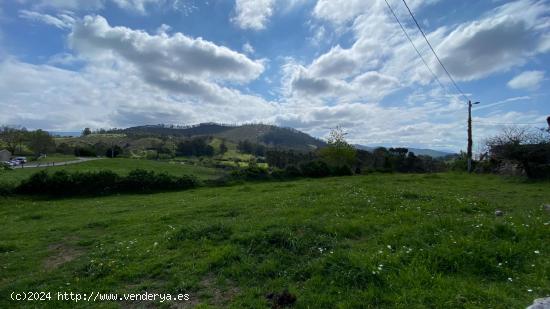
x=219, y=297
x=61, y=253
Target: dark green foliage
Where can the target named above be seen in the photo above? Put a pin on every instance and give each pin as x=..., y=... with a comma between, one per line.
x=533, y=158
x=342, y=170
x=292, y=171
x=63, y=183
x=315, y=168
x=526, y=148
x=195, y=147
x=248, y=147
x=223, y=148
x=251, y=173
x=6, y=189
x=65, y=149
x=283, y=158
x=84, y=151
x=113, y=151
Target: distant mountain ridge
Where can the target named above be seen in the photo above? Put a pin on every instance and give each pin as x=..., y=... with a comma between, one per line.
x=269, y=135
x=417, y=151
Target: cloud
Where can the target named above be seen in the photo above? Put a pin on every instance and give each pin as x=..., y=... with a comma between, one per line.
x=174, y=62
x=528, y=80
x=253, y=14
x=248, y=49
x=138, y=6
x=100, y=95
x=73, y=5
x=129, y=77
x=135, y=5
x=340, y=12
x=62, y=21
x=506, y=37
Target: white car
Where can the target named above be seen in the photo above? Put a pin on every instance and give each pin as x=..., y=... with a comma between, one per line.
x=21, y=160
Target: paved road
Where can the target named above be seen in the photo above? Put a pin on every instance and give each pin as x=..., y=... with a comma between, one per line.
x=50, y=164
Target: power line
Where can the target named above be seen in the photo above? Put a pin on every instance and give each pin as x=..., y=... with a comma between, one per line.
x=507, y=123
x=414, y=46
x=436, y=56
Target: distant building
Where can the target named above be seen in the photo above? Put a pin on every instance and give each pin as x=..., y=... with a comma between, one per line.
x=5, y=155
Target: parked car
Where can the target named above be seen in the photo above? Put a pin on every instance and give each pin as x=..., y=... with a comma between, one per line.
x=9, y=163
x=21, y=160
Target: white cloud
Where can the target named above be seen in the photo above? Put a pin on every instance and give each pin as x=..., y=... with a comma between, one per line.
x=506, y=37
x=130, y=77
x=73, y=5
x=248, y=49
x=62, y=21
x=135, y=5
x=528, y=80
x=101, y=95
x=176, y=62
x=340, y=12
x=139, y=6
x=253, y=14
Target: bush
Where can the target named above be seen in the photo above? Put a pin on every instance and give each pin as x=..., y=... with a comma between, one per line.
x=62, y=183
x=5, y=167
x=145, y=181
x=6, y=189
x=292, y=171
x=342, y=170
x=251, y=173
x=84, y=152
x=315, y=169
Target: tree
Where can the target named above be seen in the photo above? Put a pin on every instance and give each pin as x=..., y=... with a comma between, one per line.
x=529, y=148
x=339, y=153
x=113, y=151
x=223, y=148
x=13, y=137
x=41, y=142
x=86, y=132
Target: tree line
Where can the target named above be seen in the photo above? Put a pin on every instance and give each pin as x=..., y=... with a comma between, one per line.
x=22, y=141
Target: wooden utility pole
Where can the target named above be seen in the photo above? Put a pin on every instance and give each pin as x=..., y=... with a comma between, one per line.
x=469, y=153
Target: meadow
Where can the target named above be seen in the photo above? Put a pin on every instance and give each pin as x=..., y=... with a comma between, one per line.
x=372, y=241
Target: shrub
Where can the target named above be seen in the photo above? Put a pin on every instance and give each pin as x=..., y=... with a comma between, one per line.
x=84, y=152
x=292, y=171
x=251, y=173
x=342, y=170
x=5, y=167
x=62, y=183
x=6, y=189
x=315, y=168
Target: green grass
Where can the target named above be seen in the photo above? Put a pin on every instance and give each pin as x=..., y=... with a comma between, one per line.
x=54, y=158
x=121, y=166
x=375, y=241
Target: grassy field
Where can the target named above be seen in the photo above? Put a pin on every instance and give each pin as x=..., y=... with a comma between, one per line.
x=120, y=166
x=54, y=158
x=375, y=241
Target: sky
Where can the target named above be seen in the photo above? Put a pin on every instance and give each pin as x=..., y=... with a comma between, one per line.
x=307, y=64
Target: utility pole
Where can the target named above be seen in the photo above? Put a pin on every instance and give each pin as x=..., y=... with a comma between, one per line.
x=469, y=153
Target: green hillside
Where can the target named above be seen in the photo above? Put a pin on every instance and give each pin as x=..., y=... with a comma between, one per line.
x=258, y=133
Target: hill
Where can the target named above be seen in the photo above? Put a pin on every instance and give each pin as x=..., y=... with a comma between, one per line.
x=417, y=151
x=257, y=133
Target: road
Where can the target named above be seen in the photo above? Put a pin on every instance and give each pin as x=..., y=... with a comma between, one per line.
x=50, y=164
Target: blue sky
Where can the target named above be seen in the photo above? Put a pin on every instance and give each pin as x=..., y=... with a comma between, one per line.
x=307, y=64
